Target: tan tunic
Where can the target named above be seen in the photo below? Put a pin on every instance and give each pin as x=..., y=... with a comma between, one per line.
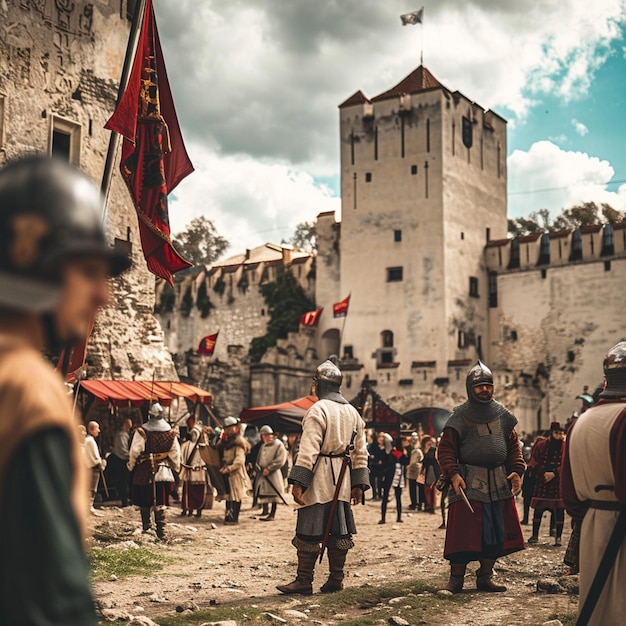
x=414, y=467
x=34, y=399
x=589, y=463
x=234, y=460
x=272, y=457
x=327, y=428
x=192, y=468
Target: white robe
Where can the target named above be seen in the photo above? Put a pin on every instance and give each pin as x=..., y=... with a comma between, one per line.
x=591, y=465
x=327, y=428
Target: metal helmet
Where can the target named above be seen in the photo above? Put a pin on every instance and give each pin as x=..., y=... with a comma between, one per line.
x=156, y=410
x=155, y=421
x=480, y=374
x=615, y=372
x=231, y=421
x=328, y=379
x=49, y=212
x=266, y=430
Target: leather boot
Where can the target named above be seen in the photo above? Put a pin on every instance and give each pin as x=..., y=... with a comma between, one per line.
x=229, y=517
x=336, y=562
x=270, y=516
x=457, y=577
x=484, y=580
x=303, y=584
x=159, y=518
x=145, y=519
x=236, y=509
x=265, y=512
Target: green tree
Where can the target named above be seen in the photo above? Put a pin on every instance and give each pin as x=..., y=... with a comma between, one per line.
x=286, y=302
x=200, y=243
x=304, y=237
x=576, y=216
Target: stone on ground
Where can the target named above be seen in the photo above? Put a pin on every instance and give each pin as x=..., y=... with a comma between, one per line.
x=397, y=621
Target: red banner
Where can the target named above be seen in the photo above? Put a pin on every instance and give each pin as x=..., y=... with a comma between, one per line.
x=154, y=159
x=340, y=309
x=311, y=318
x=207, y=344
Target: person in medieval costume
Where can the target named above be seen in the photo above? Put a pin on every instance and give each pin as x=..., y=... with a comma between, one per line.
x=269, y=485
x=55, y=263
x=331, y=429
x=413, y=470
x=593, y=482
x=546, y=462
x=193, y=473
x=94, y=462
x=154, y=453
x=479, y=453
x=234, y=448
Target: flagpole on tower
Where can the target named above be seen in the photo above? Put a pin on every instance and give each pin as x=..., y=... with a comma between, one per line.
x=410, y=19
x=133, y=40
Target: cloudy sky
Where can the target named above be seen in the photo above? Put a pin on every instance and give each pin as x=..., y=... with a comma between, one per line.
x=257, y=84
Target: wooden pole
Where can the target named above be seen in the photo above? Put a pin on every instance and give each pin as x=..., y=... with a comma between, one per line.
x=135, y=29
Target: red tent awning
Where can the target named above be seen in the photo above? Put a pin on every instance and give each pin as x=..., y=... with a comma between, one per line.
x=294, y=408
x=139, y=392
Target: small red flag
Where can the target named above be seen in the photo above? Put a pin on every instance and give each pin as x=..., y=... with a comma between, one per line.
x=154, y=159
x=207, y=344
x=311, y=318
x=340, y=309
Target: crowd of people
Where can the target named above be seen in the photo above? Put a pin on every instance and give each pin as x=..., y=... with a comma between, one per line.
x=54, y=270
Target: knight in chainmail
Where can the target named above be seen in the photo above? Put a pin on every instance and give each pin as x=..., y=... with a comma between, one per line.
x=327, y=430
x=154, y=453
x=479, y=453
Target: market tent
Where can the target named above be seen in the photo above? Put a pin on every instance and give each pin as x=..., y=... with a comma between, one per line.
x=284, y=418
x=140, y=392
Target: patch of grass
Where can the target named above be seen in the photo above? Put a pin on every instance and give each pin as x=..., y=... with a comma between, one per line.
x=243, y=615
x=567, y=619
x=362, y=606
x=130, y=562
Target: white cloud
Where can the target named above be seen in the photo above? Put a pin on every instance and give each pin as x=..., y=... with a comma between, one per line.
x=257, y=84
x=579, y=127
x=249, y=201
x=547, y=177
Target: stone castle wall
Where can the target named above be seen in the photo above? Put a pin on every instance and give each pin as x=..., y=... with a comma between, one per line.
x=60, y=64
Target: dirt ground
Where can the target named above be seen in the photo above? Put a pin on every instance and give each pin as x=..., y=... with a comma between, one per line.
x=209, y=563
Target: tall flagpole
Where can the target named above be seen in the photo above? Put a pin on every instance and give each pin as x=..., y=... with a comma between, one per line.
x=133, y=38
x=422, y=45
x=343, y=326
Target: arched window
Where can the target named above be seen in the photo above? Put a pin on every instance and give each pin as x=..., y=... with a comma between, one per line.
x=386, y=338
x=577, y=246
x=544, y=250
x=514, y=259
x=608, y=246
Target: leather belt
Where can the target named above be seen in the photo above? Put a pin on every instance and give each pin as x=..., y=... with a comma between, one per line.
x=607, y=505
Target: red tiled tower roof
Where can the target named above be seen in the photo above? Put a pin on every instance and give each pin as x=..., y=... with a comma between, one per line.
x=356, y=98
x=417, y=81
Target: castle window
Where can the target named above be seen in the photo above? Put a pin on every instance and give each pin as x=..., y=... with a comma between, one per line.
x=394, y=274
x=514, y=261
x=376, y=143
x=608, y=246
x=462, y=235
x=493, y=290
x=413, y=170
x=352, y=147
x=397, y=235
x=544, y=273
x=64, y=141
x=386, y=338
x=368, y=177
x=348, y=352
x=427, y=135
x=473, y=287
x=607, y=266
x=461, y=340
x=544, y=250
x=577, y=246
